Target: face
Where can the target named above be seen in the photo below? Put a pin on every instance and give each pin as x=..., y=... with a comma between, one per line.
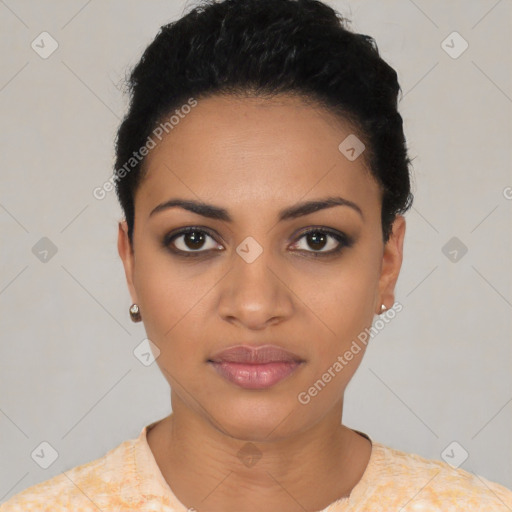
x=252, y=274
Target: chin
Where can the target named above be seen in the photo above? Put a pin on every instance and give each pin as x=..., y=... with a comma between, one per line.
x=262, y=422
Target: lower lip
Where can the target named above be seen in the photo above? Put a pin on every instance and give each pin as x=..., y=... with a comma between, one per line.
x=255, y=376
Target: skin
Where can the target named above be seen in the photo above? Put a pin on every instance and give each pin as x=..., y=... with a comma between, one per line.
x=255, y=157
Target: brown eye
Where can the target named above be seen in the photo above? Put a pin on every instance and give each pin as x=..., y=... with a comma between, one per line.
x=190, y=240
x=317, y=240
x=193, y=240
x=322, y=242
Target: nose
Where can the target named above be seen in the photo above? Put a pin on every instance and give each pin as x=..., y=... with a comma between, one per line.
x=255, y=294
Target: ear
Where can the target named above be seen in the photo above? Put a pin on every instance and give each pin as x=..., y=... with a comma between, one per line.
x=127, y=256
x=391, y=263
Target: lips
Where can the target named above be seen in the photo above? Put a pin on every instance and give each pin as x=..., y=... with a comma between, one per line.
x=255, y=368
x=255, y=355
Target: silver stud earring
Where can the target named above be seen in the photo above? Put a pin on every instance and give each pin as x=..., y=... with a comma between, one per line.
x=135, y=313
x=382, y=309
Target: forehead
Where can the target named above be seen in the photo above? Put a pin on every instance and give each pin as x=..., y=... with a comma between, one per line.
x=254, y=151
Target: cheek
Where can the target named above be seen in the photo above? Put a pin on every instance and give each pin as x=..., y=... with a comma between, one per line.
x=161, y=292
x=172, y=301
x=340, y=304
x=353, y=300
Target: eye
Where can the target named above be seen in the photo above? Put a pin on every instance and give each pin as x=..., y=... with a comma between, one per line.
x=190, y=240
x=323, y=241
x=193, y=240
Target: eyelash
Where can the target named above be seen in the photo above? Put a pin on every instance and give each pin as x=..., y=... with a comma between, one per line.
x=344, y=241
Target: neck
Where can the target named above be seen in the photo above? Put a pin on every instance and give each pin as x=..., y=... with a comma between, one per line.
x=209, y=468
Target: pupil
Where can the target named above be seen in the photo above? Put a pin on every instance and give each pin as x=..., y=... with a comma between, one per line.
x=317, y=238
x=195, y=238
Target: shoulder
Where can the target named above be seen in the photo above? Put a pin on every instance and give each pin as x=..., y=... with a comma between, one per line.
x=90, y=486
x=411, y=481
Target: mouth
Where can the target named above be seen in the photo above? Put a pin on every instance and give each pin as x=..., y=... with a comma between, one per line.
x=255, y=368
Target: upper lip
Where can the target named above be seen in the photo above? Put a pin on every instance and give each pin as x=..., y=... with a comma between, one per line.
x=255, y=355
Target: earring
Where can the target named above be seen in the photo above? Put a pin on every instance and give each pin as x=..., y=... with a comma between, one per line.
x=135, y=313
x=382, y=309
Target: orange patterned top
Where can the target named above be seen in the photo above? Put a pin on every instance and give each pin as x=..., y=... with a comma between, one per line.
x=127, y=478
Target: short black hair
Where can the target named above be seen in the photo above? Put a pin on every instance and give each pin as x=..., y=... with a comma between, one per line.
x=264, y=48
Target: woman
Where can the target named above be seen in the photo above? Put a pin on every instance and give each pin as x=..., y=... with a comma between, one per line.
x=263, y=174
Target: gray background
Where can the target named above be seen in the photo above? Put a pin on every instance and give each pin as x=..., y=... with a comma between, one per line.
x=439, y=372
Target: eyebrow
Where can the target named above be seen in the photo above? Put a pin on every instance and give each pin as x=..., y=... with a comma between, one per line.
x=292, y=212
